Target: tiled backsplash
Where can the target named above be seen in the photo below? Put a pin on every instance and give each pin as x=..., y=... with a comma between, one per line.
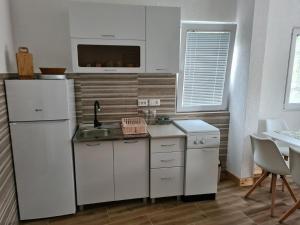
x=118, y=95
x=8, y=202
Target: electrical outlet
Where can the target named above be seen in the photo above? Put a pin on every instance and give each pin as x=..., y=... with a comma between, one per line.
x=154, y=102
x=142, y=102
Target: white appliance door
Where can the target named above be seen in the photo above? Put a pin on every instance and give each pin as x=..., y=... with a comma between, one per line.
x=201, y=172
x=43, y=162
x=33, y=100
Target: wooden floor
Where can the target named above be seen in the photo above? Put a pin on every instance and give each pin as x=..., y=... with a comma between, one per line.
x=230, y=208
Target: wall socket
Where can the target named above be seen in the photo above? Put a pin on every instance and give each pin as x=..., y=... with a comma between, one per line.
x=142, y=102
x=154, y=102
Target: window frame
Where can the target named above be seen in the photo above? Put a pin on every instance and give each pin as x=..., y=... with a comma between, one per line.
x=287, y=105
x=205, y=27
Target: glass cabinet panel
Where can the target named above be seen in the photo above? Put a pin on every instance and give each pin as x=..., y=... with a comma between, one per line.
x=108, y=56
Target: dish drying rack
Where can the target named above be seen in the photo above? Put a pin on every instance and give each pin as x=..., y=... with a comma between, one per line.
x=135, y=125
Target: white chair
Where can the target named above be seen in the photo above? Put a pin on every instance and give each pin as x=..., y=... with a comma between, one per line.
x=295, y=171
x=278, y=125
x=267, y=156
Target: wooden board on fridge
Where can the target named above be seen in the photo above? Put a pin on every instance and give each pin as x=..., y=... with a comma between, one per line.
x=25, y=63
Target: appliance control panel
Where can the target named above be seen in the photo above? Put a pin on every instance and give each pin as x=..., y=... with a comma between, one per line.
x=203, y=140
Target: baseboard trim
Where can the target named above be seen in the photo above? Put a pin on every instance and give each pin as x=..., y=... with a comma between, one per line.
x=242, y=182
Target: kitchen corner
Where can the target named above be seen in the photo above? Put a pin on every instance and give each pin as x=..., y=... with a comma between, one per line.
x=118, y=78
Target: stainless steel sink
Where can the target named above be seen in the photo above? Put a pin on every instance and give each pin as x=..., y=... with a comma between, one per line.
x=94, y=132
x=106, y=131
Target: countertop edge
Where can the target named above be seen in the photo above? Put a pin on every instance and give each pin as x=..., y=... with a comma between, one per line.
x=168, y=136
x=75, y=140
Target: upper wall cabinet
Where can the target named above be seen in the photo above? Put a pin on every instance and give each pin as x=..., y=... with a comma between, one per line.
x=107, y=21
x=162, y=39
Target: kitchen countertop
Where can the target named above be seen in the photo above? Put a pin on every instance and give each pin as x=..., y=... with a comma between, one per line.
x=164, y=131
x=115, y=134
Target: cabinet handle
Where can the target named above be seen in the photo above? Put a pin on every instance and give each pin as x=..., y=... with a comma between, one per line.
x=38, y=110
x=160, y=69
x=108, y=35
x=170, y=145
x=110, y=70
x=167, y=160
x=91, y=145
x=166, y=178
x=130, y=142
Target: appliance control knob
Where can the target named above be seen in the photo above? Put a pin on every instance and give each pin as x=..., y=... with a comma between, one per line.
x=202, y=141
x=195, y=142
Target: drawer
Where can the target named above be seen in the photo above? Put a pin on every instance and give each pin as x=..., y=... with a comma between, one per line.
x=166, y=182
x=167, y=159
x=167, y=145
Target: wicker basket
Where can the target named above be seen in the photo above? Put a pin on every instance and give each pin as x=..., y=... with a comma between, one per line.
x=136, y=125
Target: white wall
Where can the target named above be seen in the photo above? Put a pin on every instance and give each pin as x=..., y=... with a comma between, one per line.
x=43, y=25
x=256, y=65
x=239, y=86
x=265, y=86
x=7, y=52
x=283, y=16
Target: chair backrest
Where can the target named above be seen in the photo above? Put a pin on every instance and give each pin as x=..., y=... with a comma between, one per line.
x=267, y=156
x=295, y=164
x=276, y=124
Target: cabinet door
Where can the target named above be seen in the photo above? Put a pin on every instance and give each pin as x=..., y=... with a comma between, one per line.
x=163, y=39
x=107, y=21
x=30, y=100
x=201, y=171
x=131, y=166
x=94, y=172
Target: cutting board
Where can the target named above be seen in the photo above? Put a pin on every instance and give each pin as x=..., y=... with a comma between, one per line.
x=25, y=63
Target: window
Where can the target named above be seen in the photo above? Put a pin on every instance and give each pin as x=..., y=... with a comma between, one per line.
x=292, y=97
x=206, y=53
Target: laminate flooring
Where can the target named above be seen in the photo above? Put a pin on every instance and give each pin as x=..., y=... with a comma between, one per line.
x=229, y=208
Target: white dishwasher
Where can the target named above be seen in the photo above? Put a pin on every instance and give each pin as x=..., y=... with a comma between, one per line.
x=201, y=159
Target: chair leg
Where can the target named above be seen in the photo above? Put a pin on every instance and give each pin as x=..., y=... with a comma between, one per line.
x=272, y=178
x=286, y=158
x=273, y=187
x=289, y=188
x=258, y=182
x=289, y=212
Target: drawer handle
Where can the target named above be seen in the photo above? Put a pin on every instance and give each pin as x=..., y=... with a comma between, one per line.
x=108, y=35
x=170, y=145
x=167, y=160
x=91, y=145
x=38, y=110
x=166, y=178
x=130, y=142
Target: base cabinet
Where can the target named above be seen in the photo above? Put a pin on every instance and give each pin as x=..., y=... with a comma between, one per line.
x=111, y=170
x=167, y=167
x=131, y=169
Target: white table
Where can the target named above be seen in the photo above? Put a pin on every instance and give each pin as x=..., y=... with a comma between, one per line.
x=284, y=137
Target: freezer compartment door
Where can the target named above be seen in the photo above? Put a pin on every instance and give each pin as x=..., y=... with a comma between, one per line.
x=201, y=173
x=42, y=153
x=33, y=100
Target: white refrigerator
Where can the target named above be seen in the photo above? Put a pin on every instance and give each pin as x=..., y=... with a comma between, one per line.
x=42, y=122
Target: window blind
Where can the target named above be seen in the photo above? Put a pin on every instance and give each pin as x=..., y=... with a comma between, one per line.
x=205, y=66
x=295, y=83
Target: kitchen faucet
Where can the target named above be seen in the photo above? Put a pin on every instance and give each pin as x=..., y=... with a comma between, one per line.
x=96, y=109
